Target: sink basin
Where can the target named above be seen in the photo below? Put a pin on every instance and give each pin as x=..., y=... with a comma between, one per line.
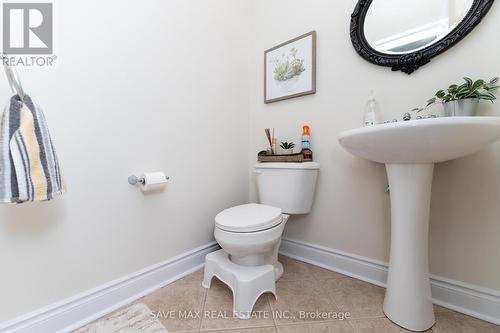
x=409, y=150
x=422, y=141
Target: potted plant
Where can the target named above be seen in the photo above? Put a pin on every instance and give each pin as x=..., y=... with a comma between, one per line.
x=287, y=147
x=462, y=100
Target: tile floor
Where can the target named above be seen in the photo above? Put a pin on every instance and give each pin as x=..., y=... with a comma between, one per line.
x=303, y=289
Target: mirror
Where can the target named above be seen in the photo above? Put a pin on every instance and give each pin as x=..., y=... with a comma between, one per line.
x=418, y=23
x=406, y=34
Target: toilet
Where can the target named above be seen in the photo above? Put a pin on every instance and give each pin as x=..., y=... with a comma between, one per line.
x=250, y=234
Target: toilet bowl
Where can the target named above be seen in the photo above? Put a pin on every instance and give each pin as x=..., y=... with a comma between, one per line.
x=250, y=234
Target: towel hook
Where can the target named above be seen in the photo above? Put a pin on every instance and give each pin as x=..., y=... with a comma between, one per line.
x=14, y=81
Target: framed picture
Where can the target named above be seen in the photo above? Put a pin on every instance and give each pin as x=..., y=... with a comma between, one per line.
x=290, y=69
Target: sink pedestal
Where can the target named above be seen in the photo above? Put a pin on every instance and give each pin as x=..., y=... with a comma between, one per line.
x=408, y=300
x=409, y=150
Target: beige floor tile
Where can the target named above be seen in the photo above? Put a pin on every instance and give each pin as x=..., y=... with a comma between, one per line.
x=250, y=330
x=453, y=322
x=376, y=325
x=360, y=299
x=294, y=269
x=300, y=301
x=323, y=274
x=193, y=277
x=330, y=327
x=438, y=308
x=218, y=310
x=308, y=289
x=178, y=305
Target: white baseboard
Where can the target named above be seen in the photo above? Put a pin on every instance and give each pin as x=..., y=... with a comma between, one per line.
x=88, y=306
x=475, y=301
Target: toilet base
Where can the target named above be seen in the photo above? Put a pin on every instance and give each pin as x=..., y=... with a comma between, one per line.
x=246, y=282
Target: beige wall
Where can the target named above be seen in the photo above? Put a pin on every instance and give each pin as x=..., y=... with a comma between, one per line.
x=135, y=89
x=351, y=211
x=140, y=86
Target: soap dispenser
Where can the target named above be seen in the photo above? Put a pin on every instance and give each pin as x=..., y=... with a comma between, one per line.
x=372, y=112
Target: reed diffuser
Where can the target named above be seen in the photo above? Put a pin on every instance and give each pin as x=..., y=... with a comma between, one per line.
x=272, y=141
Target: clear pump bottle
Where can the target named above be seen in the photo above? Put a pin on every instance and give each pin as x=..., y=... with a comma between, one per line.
x=372, y=111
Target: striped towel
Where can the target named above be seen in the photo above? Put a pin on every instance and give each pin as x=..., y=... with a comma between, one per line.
x=29, y=170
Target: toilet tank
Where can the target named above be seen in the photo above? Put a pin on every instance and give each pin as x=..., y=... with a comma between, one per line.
x=289, y=186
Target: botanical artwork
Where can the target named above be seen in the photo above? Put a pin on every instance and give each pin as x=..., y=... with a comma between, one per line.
x=288, y=66
x=290, y=69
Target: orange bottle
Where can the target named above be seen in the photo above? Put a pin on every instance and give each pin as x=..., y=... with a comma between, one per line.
x=306, y=137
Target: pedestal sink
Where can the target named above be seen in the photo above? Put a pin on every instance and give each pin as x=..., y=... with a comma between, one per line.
x=409, y=150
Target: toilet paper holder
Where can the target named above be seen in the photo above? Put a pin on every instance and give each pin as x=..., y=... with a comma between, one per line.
x=134, y=180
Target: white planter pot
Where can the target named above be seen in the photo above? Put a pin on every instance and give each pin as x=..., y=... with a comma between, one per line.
x=461, y=108
x=286, y=151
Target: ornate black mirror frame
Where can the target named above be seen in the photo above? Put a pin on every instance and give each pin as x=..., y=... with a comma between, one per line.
x=410, y=62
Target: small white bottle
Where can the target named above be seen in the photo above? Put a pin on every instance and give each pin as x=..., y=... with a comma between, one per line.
x=372, y=112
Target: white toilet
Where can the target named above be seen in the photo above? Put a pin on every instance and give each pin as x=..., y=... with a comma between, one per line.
x=250, y=235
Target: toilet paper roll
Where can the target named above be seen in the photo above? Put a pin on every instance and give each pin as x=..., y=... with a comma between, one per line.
x=153, y=181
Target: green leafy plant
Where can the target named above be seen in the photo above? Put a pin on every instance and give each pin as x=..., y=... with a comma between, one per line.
x=287, y=145
x=479, y=89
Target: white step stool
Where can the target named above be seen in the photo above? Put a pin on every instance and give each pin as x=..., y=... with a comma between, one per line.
x=246, y=283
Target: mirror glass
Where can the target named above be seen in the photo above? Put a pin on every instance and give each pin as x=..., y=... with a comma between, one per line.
x=405, y=26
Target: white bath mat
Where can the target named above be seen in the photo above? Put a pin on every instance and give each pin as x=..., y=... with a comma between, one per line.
x=134, y=319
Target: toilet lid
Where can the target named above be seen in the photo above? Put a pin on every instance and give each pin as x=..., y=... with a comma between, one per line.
x=248, y=218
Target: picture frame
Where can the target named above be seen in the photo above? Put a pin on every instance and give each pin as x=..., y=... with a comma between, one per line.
x=290, y=69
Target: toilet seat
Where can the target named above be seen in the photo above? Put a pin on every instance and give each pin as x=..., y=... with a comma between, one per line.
x=248, y=218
